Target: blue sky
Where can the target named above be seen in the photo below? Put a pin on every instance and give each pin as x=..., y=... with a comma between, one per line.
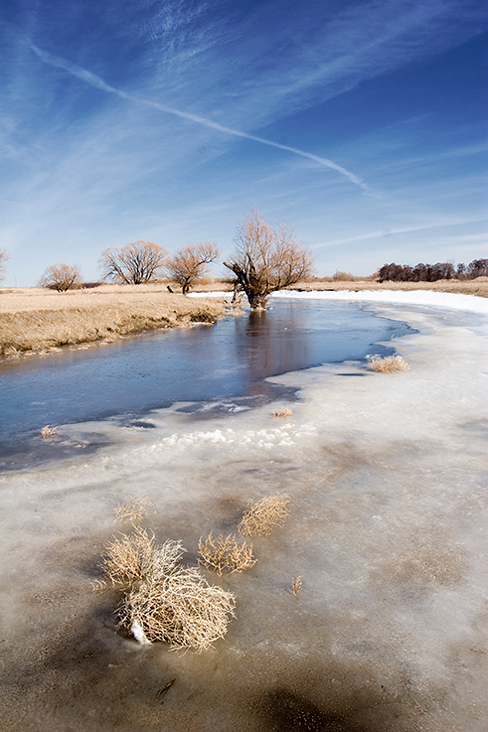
x=362, y=124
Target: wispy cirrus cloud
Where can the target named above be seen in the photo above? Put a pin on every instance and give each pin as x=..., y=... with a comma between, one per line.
x=281, y=63
x=425, y=227
x=98, y=83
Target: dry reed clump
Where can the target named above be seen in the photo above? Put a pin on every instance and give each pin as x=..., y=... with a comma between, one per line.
x=134, y=511
x=282, y=411
x=176, y=604
x=264, y=515
x=225, y=554
x=49, y=431
x=388, y=364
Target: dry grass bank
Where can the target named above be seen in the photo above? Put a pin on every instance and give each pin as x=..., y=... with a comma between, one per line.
x=35, y=321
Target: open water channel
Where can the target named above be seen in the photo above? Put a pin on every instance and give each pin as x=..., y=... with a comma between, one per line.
x=217, y=368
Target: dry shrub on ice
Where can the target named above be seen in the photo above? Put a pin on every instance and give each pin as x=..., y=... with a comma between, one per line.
x=388, y=364
x=48, y=431
x=264, y=515
x=176, y=604
x=282, y=411
x=134, y=511
x=128, y=560
x=225, y=554
x=166, y=601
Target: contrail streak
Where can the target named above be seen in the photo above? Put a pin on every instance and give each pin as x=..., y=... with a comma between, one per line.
x=98, y=83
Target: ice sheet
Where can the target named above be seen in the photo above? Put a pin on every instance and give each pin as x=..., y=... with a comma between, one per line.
x=387, y=528
x=451, y=301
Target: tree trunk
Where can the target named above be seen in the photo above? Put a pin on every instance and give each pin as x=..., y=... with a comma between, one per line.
x=257, y=301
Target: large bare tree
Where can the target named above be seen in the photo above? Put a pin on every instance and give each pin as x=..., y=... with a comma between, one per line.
x=61, y=277
x=134, y=263
x=191, y=263
x=267, y=259
x=4, y=257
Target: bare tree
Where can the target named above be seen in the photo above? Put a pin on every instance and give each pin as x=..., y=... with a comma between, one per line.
x=134, y=263
x=61, y=277
x=477, y=268
x=191, y=263
x=4, y=257
x=267, y=259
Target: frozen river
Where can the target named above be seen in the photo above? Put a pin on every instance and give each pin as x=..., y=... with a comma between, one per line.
x=386, y=475
x=209, y=366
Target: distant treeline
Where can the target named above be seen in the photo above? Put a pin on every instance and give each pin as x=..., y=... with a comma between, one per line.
x=432, y=272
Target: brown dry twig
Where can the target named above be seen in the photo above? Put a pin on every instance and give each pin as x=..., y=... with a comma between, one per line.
x=264, y=515
x=162, y=691
x=225, y=554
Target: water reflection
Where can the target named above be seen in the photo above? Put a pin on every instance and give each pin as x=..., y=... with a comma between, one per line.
x=273, y=345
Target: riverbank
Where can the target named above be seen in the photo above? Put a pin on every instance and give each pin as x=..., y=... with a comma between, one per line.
x=37, y=321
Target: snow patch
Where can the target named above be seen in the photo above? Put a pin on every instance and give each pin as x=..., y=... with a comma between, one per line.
x=448, y=300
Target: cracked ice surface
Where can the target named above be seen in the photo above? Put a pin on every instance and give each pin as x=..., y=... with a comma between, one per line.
x=386, y=475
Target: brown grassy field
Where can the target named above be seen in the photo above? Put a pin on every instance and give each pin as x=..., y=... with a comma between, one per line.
x=35, y=321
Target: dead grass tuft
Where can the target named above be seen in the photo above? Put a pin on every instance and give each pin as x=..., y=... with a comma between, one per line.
x=264, y=515
x=176, y=604
x=49, y=431
x=296, y=585
x=129, y=559
x=225, y=554
x=388, y=364
x=282, y=411
x=178, y=607
x=134, y=511
x=164, y=600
